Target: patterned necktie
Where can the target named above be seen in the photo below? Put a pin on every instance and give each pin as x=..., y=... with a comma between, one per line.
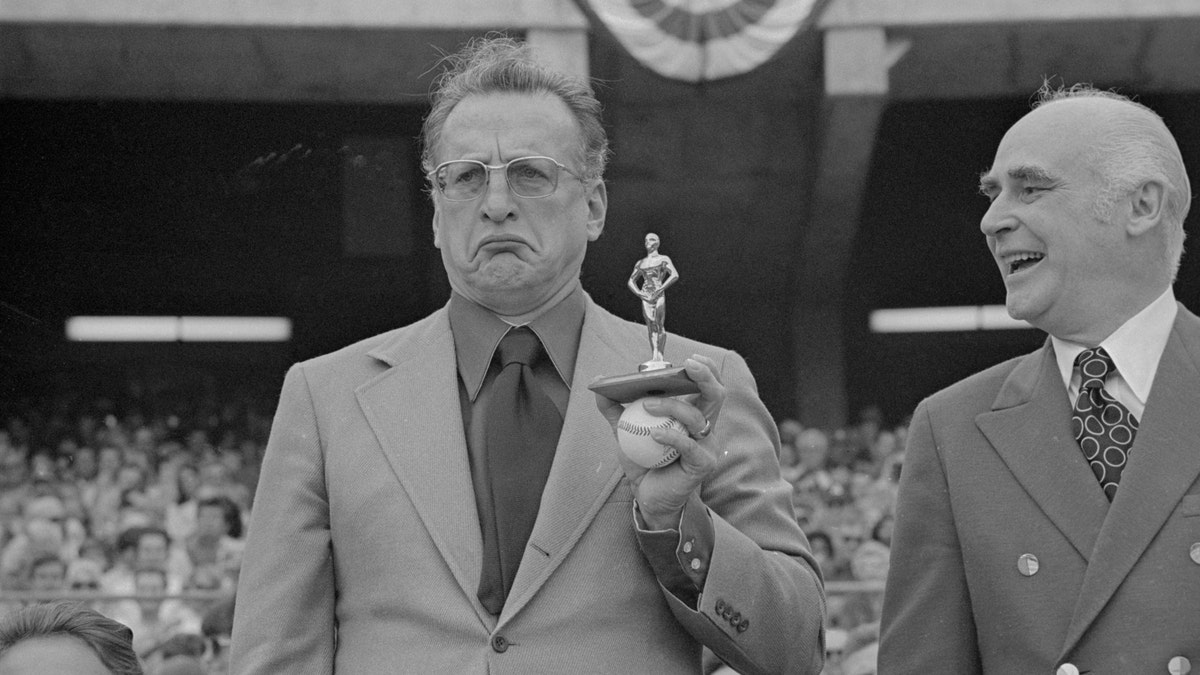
x=522, y=432
x=1103, y=427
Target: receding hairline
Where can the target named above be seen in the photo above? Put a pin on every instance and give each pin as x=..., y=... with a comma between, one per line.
x=546, y=96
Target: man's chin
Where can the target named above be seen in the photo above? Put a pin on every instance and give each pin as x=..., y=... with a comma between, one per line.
x=1021, y=308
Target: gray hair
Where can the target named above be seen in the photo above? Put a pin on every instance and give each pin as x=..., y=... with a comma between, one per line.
x=498, y=64
x=1137, y=148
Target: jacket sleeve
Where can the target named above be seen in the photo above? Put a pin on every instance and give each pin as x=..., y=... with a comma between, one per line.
x=284, y=614
x=762, y=608
x=927, y=624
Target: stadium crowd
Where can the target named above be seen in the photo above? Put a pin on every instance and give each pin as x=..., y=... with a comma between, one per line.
x=139, y=505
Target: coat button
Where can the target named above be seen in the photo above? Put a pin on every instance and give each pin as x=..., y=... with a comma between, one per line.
x=735, y=619
x=720, y=607
x=1180, y=665
x=1195, y=553
x=1027, y=565
x=1067, y=669
x=743, y=625
x=500, y=644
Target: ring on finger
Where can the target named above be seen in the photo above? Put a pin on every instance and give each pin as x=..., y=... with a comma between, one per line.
x=703, y=433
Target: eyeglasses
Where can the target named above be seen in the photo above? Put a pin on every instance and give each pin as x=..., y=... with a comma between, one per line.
x=461, y=180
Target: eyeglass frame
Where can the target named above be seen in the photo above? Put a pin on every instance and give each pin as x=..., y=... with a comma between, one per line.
x=489, y=168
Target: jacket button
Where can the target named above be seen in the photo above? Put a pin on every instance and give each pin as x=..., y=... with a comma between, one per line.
x=1194, y=553
x=743, y=625
x=500, y=644
x=1067, y=669
x=735, y=619
x=720, y=607
x=1179, y=666
x=1028, y=566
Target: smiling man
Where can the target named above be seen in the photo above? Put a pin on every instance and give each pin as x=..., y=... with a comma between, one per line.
x=448, y=498
x=1049, y=511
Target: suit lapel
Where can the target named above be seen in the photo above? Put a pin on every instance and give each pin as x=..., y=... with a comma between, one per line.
x=1163, y=463
x=585, y=469
x=1029, y=426
x=414, y=410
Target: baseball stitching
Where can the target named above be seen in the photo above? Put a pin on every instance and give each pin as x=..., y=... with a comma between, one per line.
x=641, y=429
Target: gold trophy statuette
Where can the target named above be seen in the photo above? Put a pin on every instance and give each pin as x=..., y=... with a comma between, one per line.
x=651, y=277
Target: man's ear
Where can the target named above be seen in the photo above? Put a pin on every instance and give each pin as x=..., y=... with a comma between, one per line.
x=1147, y=206
x=597, y=203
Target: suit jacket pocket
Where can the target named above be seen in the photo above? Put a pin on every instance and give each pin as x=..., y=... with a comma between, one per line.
x=1189, y=506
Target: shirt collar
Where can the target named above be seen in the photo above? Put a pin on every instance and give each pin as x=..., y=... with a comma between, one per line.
x=1135, y=347
x=477, y=331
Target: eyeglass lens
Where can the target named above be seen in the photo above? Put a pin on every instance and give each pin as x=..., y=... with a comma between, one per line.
x=527, y=177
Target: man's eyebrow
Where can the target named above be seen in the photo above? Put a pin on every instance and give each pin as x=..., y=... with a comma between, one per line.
x=1032, y=173
x=986, y=182
x=1026, y=172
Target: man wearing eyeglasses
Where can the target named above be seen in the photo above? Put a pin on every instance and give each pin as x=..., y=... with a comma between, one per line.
x=447, y=498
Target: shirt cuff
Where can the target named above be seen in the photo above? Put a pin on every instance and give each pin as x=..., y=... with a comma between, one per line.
x=680, y=557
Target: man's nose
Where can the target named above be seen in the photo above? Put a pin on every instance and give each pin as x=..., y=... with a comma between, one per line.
x=498, y=200
x=998, y=218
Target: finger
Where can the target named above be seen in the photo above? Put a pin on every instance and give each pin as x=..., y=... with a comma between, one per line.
x=610, y=409
x=688, y=415
x=703, y=371
x=695, y=460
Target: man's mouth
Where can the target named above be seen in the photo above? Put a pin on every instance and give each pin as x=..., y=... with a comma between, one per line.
x=501, y=244
x=1017, y=262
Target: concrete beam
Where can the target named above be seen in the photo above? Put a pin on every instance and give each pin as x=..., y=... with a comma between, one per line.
x=412, y=14
x=857, y=61
x=565, y=49
x=372, y=51
x=847, y=13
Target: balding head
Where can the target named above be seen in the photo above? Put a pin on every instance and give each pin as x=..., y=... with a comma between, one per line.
x=1129, y=145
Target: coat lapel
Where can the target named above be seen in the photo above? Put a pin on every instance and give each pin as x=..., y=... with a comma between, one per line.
x=585, y=469
x=1163, y=463
x=1029, y=426
x=414, y=410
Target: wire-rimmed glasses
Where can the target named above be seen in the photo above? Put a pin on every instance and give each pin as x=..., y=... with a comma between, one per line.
x=534, y=177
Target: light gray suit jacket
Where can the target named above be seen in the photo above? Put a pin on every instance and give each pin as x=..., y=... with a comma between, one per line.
x=364, y=549
x=993, y=473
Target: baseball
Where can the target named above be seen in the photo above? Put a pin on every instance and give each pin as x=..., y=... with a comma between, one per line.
x=633, y=433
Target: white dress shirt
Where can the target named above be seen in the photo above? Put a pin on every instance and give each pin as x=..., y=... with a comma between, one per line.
x=1135, y=348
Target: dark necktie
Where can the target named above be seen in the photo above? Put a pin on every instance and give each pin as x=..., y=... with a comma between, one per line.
x=522, y=431
x=1103, y=427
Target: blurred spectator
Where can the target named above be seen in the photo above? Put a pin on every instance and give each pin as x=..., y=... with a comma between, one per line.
x=119, y=577
x=215, y=550
x=181, y=479
x=822, y=549
x=155, y=549
x=82, y=466
x=216, y=478
x=217, y=628
x=154, y=620
x=48, y=573
x=85, y=574
x=65, y=639
x=41, y=533
x=181, y=654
